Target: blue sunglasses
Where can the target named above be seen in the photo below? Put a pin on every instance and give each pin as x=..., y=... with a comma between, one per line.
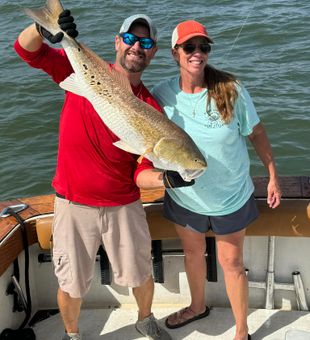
x=130, y=39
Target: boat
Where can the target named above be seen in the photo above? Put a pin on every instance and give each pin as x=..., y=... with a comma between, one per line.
x=276, y=254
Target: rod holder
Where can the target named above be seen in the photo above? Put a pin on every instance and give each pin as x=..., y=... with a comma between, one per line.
x=300, y=292
x=270, y=285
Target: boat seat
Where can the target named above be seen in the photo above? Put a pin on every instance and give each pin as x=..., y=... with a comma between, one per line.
x=44, y=232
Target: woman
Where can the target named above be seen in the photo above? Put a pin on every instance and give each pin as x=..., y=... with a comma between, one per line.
x=217, y=112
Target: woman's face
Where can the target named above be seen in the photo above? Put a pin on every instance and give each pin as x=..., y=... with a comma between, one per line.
x=192, y=55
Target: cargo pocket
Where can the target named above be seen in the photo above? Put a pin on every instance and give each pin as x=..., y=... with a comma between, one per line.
x=62, y=268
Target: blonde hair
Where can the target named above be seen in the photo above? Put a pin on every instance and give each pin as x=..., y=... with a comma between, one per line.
x=221, y=87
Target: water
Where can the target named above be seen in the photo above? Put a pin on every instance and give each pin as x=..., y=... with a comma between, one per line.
x=265, y=43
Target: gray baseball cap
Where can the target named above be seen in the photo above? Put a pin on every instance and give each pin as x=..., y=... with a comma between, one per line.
x=139, y=18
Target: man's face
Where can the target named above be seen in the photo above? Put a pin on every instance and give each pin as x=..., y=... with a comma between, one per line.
x=134, y=58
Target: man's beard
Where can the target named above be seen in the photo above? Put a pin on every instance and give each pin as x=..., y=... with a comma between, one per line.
x=133, y=66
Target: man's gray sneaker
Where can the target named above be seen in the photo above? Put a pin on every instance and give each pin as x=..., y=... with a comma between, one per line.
x=150, y=329
x=74, y=336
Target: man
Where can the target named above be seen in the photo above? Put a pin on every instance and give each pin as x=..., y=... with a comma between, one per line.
x=97, y=199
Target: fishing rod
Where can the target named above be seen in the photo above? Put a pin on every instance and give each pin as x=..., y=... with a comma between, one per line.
x=241, y=28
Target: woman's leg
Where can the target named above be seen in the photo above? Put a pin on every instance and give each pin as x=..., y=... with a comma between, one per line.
x=230, y=256
x=194, y=247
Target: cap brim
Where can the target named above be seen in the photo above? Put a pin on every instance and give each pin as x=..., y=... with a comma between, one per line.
x=181, y=41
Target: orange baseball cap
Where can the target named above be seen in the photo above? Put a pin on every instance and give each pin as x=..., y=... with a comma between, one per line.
x=187, y=30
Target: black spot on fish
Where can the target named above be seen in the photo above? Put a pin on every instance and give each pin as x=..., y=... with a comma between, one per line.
x=85, y=66
x=92, y=77
x=98, y=83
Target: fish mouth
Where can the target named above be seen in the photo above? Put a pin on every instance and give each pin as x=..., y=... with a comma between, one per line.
x=189, y=174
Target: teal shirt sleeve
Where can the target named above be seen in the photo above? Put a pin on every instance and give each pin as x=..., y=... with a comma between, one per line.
x=165, y=91
x=245, y=111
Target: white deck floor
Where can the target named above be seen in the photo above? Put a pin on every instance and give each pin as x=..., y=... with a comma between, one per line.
x=118, y=324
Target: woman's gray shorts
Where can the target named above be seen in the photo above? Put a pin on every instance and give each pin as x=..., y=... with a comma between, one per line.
x=221, y=225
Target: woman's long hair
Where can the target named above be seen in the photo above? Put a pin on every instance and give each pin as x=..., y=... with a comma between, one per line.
x=221, y=87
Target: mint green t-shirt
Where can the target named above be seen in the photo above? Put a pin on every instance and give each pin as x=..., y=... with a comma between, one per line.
x=226, y=184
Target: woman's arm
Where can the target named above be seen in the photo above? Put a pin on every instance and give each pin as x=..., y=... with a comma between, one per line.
x=262, y=147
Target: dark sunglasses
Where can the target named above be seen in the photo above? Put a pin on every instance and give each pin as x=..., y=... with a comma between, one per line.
x=190, y=48
x=130, y=39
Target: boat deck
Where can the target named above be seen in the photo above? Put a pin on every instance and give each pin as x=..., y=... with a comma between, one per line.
x=118, y=324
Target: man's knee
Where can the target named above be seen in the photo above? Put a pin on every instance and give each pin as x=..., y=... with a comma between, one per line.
x=66, y=296
x=144, y=286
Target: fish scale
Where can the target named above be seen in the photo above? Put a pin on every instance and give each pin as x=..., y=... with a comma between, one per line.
x=140, y=127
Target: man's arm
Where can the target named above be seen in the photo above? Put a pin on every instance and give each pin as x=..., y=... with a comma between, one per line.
x=31, y=48
x=150, y=179
x=153, y=178
x=262, y=147
x=30, y=39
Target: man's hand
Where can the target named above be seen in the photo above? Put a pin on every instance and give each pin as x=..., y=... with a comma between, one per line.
x=66, y=23
x=172, y=179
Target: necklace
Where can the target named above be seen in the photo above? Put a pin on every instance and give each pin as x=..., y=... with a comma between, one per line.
x=203, y=95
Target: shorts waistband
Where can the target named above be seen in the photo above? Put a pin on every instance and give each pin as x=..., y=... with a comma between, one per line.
x=60, y=196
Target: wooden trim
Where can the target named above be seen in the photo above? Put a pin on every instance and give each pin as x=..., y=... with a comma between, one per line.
x=292, y=187
x=38, y=205
x=13, y=245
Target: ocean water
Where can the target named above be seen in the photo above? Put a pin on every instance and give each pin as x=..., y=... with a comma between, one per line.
x=265, y=43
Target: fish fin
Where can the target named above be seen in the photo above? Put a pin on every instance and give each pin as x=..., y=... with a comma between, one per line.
x=124, y=146
x=104, y=66
x=149, y=150
x=47, y=16
x=72, y=85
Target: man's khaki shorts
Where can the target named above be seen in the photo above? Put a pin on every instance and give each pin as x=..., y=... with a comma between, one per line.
x=79, y=230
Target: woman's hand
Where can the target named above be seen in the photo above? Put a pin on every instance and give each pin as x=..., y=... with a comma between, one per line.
x=273, y=193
